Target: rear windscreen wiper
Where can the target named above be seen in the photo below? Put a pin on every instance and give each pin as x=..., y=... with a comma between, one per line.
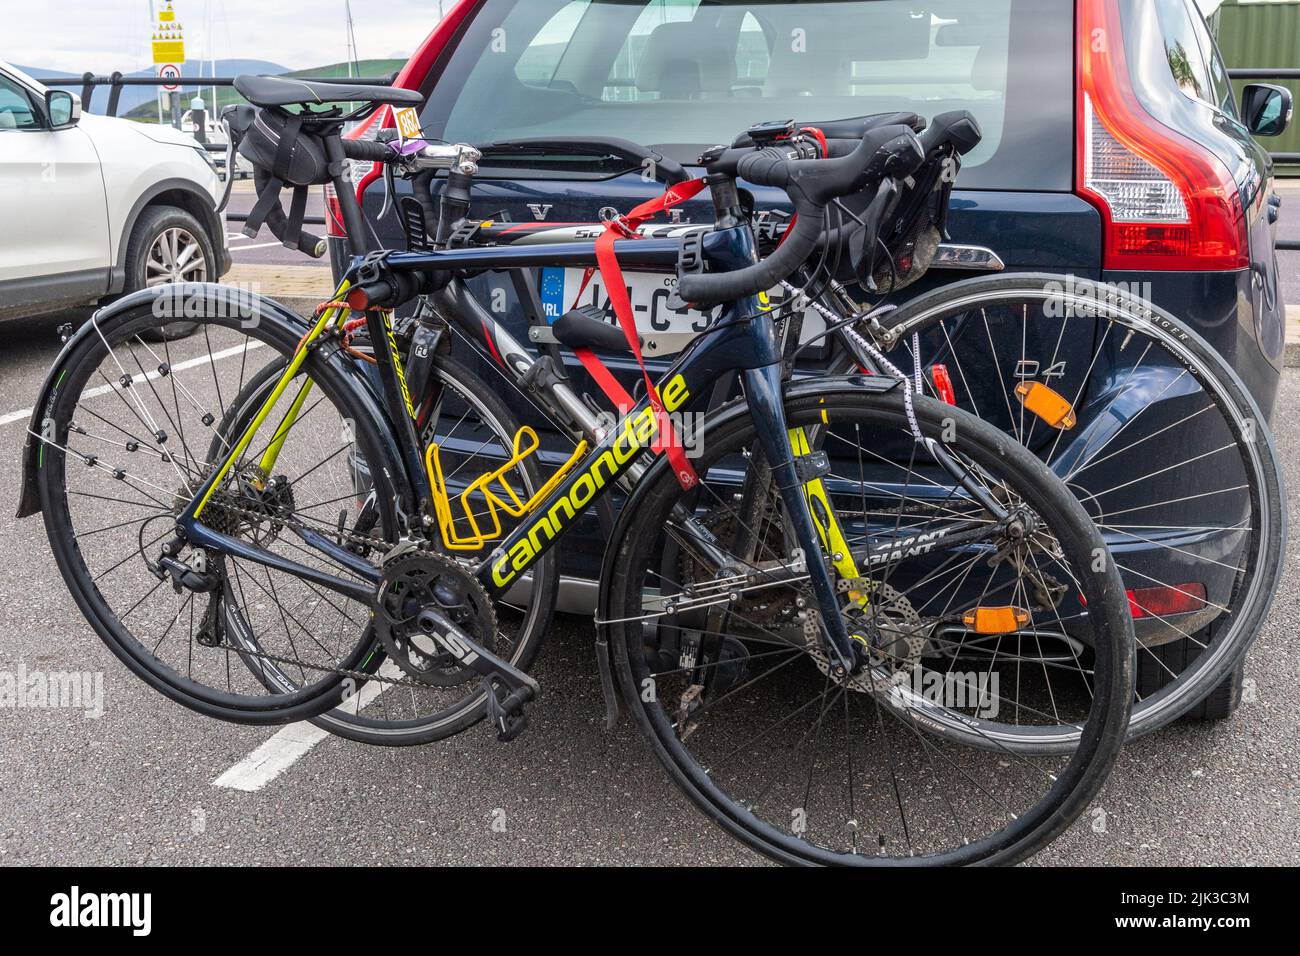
x=665, y=170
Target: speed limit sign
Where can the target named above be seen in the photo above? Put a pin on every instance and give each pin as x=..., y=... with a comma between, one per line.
x=169, y=71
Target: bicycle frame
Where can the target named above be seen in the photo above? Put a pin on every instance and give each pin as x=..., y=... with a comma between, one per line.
x=743, y=339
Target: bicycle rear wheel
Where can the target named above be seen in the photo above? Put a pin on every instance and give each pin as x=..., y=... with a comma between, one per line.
x=924, y=757
x=474, y=430
x=1166, y=450
x=130, y=435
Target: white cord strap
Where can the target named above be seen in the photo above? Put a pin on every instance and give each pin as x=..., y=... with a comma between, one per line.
x=877, y=356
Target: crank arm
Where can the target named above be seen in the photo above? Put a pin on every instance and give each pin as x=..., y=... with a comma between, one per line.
x=505, y=702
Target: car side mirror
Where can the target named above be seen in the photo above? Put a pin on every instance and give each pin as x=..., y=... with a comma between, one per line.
x=62, y=108
x=1266, y=109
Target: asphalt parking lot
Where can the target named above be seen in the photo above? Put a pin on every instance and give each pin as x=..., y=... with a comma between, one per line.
x=149, y=782
x=264, y=248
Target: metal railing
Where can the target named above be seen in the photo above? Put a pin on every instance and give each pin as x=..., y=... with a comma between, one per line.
x=89, y=82
x=115, y=82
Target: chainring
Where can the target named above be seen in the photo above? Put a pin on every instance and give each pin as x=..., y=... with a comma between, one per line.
x=414, y=581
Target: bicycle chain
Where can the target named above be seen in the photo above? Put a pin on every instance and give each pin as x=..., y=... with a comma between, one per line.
x=361, y=676
x=387, y=547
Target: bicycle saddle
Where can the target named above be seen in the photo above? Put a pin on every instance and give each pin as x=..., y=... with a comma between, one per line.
x=282, y=91
x=585, y=328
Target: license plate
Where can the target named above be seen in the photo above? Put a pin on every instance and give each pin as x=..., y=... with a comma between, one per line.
x=664, y=331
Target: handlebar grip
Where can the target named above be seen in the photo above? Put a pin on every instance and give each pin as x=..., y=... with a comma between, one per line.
x=800, y=242
x=811, y=184
x=368, y=151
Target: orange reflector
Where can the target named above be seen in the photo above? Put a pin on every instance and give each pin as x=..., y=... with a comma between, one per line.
x=1046, y=404
x=995, y=620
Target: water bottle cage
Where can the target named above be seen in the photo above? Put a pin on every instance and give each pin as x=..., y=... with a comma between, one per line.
x=494, y=490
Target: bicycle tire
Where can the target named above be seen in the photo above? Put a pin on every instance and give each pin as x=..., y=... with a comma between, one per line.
x=340, y=389
x=1166, y=695
x=1093, y=752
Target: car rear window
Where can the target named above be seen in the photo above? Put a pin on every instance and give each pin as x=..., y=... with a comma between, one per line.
x=681, y=75
x=1193, y=58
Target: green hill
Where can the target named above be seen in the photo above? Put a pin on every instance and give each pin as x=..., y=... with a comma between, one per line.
x=148, y=112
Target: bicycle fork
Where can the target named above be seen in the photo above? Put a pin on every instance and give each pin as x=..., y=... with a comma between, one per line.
x=764, y=393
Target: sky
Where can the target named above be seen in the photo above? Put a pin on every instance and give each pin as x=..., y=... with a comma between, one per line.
x=107, y=35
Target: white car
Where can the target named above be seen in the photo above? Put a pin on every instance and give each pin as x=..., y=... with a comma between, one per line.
x=94, y=207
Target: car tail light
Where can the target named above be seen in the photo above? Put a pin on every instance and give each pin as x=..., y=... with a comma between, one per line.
x=1162, y=601
x=333, y=214
x=1165, y=600
x=1167, y=203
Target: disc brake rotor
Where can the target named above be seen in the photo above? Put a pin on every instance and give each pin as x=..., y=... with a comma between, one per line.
x=888, y=625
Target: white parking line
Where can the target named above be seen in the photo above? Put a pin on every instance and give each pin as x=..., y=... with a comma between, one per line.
x=272, y=758
x=260, y=245
x=289, y=745
x=25, y=413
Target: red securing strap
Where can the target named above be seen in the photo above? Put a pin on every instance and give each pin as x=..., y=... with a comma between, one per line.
x=624, y=227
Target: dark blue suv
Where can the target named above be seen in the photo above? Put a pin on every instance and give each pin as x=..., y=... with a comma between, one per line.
x=1144, y=176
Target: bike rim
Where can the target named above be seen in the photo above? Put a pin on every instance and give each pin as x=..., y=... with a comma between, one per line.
x=1240, y=613
x=912, y=730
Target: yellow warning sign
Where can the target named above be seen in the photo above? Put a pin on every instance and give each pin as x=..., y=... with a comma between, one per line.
x=168, y=39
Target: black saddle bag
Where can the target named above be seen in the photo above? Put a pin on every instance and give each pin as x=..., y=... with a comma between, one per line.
x=283, y=155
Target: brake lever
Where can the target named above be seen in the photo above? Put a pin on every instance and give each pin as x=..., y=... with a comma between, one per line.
x=390, y=187
x=864, y=256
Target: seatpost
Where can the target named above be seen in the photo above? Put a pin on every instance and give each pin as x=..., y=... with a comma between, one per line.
x=354, y=221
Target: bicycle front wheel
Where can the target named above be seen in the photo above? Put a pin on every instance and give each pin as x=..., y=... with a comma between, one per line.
x=921, y=757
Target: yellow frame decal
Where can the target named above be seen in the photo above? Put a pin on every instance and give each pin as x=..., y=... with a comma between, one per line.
x=832, y=536
x=327, y=318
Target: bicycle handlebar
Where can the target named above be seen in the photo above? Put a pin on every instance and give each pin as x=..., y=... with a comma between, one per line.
x=368, y=151
x=887, y=152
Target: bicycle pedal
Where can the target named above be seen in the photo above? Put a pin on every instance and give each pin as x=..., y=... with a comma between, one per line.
x=507, y=713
